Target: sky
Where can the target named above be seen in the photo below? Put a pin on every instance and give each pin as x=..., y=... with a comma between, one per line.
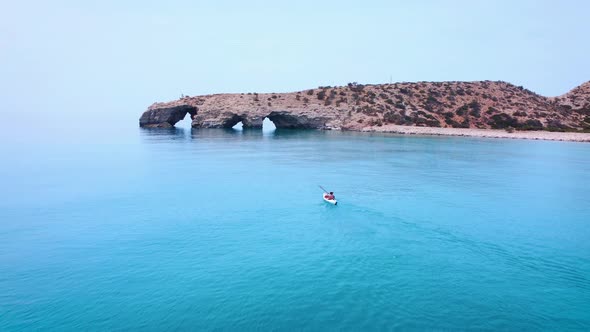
x=107, y=58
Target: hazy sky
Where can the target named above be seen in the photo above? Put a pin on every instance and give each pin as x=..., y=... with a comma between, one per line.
x=120, y=56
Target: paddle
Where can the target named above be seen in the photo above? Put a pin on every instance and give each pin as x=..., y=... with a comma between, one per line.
x=323, y=189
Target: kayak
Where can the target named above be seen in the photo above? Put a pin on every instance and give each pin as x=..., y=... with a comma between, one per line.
x=331, y=201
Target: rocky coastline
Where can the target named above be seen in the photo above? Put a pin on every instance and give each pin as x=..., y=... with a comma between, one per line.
x=482, y=108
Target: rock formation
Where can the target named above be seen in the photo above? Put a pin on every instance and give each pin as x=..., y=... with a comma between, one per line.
x=483, y=104
x=166, y=116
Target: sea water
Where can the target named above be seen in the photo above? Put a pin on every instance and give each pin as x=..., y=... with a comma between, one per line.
x=181, y=229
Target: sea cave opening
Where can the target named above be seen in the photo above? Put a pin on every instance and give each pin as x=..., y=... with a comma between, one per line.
x=185, y=122
x=238, y=126
x=233, y=121
x=267, y=125
x=285, y=121
x=182, y=117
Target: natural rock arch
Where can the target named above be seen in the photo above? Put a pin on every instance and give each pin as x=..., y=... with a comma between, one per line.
x=285, y=120
x=232, y=120
x=164, y=117
x=281, y=120
x=250, y=126
x=218, y=112
x=227, y=120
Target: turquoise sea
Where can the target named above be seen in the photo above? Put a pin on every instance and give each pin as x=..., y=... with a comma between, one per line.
x=176, y=230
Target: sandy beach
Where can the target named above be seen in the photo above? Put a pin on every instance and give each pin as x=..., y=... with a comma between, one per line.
x=490, y=133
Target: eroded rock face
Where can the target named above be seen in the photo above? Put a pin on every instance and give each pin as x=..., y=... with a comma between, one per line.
x=165, y=116
x=482, y=104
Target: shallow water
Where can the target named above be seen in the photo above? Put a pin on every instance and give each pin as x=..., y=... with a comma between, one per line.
x=226, y=229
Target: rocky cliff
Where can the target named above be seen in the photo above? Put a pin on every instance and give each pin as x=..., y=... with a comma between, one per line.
x=482, y=104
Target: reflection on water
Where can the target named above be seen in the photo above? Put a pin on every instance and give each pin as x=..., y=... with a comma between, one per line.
x=179, y=134
x=173, y=133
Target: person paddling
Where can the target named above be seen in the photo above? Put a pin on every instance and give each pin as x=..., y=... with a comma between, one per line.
x=328, y=196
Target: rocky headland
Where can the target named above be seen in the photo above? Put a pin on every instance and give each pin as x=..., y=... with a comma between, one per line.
x=389, y=107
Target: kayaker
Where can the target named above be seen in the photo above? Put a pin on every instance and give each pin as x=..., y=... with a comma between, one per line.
x=330, y=195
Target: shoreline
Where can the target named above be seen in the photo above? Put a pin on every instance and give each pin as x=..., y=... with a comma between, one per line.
x=485, y=133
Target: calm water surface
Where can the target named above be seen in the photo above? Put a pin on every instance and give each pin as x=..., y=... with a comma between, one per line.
x=213, y=229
